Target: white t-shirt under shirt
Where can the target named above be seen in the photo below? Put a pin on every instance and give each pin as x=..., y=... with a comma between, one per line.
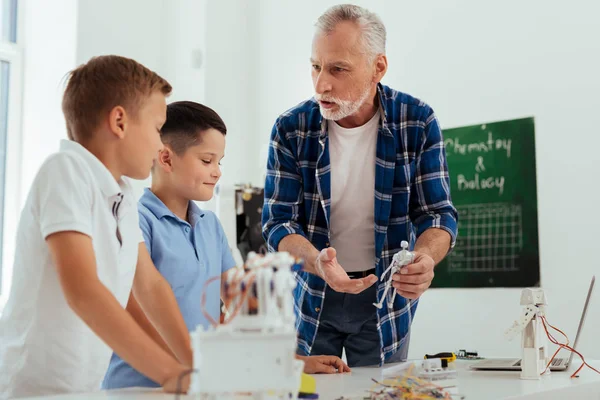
x=352, y=154
x=45, y=348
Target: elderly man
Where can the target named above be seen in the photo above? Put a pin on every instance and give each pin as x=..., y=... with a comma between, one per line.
x=351, y=174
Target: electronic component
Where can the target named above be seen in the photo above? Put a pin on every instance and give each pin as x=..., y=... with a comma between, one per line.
x=254, y=351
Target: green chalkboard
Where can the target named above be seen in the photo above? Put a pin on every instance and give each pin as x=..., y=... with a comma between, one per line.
x=493, y=186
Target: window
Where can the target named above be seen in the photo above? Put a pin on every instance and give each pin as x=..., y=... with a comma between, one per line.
x=10, y=95
x=4, y=83
x=8, y=16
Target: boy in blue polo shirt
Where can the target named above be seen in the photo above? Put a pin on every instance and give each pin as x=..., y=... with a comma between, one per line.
x=187, y=244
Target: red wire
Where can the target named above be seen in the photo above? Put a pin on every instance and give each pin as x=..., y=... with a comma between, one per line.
x=203, y=301
x=554, y=340
x=558, y=330
x=210, y=319
x=561, y=346
x=243, y=299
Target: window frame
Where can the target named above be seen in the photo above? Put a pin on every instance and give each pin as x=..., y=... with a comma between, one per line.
x=12, y=52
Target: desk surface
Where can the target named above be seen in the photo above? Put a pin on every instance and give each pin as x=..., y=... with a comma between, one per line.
x=474, y=385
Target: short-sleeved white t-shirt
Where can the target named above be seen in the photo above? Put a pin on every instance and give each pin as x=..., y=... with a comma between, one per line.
x=45, y=348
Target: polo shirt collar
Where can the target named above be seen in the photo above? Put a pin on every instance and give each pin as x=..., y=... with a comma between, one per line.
x=104, y=179
x=160, y=210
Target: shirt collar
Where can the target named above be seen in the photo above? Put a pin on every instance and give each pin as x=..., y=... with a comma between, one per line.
x=160, y=210
x=195, y=212
x=105, y=180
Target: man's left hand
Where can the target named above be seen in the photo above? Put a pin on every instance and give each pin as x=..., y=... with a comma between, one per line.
x=414, y=279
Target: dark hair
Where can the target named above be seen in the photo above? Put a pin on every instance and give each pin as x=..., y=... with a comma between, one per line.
x=185, y=121
x=103, y=83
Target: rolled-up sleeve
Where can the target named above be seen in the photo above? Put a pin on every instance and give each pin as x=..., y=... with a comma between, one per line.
x=431, y=204
x=282, y=213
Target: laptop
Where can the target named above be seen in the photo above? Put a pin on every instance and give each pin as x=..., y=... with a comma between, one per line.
x=558, y=364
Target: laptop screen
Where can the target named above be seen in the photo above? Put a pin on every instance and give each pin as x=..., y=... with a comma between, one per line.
x=582, y=321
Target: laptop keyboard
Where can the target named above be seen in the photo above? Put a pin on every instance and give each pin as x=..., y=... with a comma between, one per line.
x=555, y=363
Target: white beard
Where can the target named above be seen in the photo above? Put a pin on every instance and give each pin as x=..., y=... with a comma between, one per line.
x=345, y=107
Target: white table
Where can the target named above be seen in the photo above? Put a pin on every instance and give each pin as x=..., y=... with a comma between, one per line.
x=474, y=385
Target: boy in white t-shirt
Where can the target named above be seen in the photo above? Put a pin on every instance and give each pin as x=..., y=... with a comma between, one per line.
x=80, y=252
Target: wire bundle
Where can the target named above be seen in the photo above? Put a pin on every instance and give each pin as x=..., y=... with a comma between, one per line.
x=561, y=346
x=407, y=387
x=240, y=286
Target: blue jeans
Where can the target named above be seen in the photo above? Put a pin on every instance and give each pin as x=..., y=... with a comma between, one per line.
x=349, y=321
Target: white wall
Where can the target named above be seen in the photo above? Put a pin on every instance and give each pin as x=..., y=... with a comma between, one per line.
x=166, y=36
x=49, y=54
x=130, y=28
x=231, y=90
x=477, y=62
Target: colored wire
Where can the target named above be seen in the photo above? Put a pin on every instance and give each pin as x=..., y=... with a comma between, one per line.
x=242, y=300
x=407, y=387
x=565, y=346
x=244, y=295
x=206, y=314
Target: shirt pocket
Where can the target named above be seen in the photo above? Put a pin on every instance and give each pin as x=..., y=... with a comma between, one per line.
x=404, y=175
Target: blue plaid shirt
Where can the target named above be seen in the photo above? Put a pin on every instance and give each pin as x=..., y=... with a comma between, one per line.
x=412, y=194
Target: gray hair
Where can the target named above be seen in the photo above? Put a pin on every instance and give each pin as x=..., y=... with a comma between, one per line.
x=373, y=30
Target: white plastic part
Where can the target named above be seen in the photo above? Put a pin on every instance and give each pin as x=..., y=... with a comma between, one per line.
x=534, y=342
x=431, y=370
x=254, y=353
x=533, y=296
x=235, y=361
x=517, y=327
x=400, y=259
x=432, y=364
x=284, y=284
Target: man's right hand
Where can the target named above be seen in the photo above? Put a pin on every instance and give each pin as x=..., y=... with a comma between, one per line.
x=331, y=271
